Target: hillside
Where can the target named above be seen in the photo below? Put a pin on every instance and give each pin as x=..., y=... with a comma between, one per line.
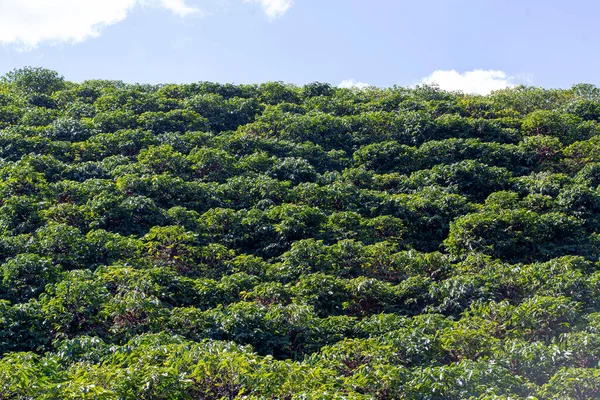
x=273, y=241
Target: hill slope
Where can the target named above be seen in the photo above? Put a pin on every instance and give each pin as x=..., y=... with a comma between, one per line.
x=273, y=241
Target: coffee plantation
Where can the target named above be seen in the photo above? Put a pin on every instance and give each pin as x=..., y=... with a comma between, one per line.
x=272, y=241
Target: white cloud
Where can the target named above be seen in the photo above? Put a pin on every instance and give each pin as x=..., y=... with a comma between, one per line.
x=353, y=83
x=478, y=81
x=179, y=7
x=273, y=8
x=28, y=23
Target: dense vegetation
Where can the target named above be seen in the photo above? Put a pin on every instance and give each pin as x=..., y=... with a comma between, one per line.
x=271, y=241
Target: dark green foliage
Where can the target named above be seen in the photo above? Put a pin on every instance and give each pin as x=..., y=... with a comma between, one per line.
x=208, y=241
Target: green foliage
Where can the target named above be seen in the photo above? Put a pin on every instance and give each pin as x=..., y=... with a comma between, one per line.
x=26, y=275
x=31, y=80
x=271, y=241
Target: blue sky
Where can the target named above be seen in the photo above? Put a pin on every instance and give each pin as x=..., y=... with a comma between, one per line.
x=473, y=45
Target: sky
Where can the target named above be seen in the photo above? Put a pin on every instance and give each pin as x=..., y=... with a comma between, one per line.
x=471, y=45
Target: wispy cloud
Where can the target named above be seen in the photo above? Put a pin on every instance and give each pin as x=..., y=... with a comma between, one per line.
x=273, y=8
x=27, y=23
x=179, y=7
x=353, y=83
x=478, y=81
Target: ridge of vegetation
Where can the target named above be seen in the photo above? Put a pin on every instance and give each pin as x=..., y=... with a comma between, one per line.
x=219, y=241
